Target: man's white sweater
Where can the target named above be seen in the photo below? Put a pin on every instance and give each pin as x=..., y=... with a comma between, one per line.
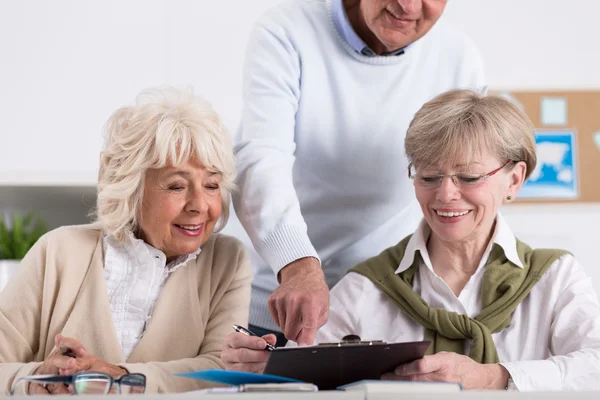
x=320, y=149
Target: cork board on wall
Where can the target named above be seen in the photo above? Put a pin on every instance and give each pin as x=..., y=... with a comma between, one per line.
x=568, y=138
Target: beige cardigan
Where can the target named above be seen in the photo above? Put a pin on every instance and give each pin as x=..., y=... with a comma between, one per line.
x=60, y=288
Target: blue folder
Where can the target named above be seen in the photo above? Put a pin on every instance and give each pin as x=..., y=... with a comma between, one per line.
x=235, y=377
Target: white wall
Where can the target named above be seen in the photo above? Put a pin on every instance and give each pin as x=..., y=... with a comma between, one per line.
x=67, y=64
x=533, y=44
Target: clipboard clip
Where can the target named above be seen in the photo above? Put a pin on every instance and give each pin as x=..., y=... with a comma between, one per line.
x=352, y=340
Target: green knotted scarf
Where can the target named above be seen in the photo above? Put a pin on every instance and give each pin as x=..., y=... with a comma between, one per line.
x=504, y=287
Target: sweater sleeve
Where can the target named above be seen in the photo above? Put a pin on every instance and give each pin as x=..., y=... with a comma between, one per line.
x=266, y=202
x=20, y=315
x=574, y=337
x=231, y=308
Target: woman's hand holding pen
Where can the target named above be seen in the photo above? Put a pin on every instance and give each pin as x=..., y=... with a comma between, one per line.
x=82, y=361
x=69, y=356
x=246, y=353
x=60, y=360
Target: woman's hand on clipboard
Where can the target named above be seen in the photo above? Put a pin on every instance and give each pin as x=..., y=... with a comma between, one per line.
x=246, y=353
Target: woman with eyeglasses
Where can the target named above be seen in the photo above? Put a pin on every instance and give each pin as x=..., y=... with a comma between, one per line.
x=500, y=314
x=150, y=289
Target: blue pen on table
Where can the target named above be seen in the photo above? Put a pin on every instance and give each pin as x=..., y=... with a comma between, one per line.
x=248, y=332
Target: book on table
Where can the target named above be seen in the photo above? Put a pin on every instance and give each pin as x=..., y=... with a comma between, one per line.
x=247, y=382
x=253, y=382
x=263, y=387
x=374, y=386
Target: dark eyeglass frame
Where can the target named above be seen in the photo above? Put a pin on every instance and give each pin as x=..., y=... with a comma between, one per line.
x=454, y=179
x=82, y=375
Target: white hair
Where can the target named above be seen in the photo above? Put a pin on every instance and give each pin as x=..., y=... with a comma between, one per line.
x=165, y=126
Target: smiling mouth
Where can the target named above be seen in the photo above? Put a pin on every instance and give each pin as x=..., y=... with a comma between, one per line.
x=399, y=19
x=191, y=228
x=452, y=214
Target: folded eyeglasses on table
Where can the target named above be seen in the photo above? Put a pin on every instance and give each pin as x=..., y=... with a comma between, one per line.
x=89, y=382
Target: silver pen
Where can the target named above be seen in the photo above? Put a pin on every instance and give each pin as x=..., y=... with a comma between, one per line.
x=248, y=332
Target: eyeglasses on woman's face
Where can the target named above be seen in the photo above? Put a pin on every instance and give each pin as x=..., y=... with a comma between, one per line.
x=462, y=180
x=87, y=382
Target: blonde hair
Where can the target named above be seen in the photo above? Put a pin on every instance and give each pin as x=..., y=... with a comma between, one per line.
x=165, y=126
x=464, y=123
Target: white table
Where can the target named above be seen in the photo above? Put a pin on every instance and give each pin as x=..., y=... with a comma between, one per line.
x=339, y=395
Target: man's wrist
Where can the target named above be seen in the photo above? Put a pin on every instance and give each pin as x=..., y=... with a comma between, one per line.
x=303, y=266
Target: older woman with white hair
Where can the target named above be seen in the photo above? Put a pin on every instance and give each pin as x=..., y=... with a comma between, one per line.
x=500, y=314
x=147, y=291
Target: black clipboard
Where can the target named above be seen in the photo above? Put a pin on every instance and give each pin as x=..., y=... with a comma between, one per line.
x=331, y=365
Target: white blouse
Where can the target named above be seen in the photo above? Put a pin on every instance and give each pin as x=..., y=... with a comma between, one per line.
x=552, y=343
x=135, y=272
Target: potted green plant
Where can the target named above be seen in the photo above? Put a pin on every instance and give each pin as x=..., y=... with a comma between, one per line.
x=15, y=241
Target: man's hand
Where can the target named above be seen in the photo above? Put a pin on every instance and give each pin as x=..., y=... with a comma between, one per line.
x=246, y=353
x=452, y=367
x=300, y=305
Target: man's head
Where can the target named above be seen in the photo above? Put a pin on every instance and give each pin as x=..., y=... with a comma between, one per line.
x=388, y=25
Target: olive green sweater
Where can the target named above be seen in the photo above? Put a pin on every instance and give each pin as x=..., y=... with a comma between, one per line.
x=504, y=287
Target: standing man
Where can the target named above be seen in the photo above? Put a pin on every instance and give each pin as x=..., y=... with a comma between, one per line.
x=330, y=87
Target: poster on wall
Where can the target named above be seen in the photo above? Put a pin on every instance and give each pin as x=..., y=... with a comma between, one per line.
x=567, y=125
x=556, y=172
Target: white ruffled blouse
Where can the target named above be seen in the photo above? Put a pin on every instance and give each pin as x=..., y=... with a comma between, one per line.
x=135, y=273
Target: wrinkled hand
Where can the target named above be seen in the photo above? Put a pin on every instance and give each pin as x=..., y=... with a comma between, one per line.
x=93, y=363
x=452, y=367
x=300, y=305
x=246, y=353
x=56, y=363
